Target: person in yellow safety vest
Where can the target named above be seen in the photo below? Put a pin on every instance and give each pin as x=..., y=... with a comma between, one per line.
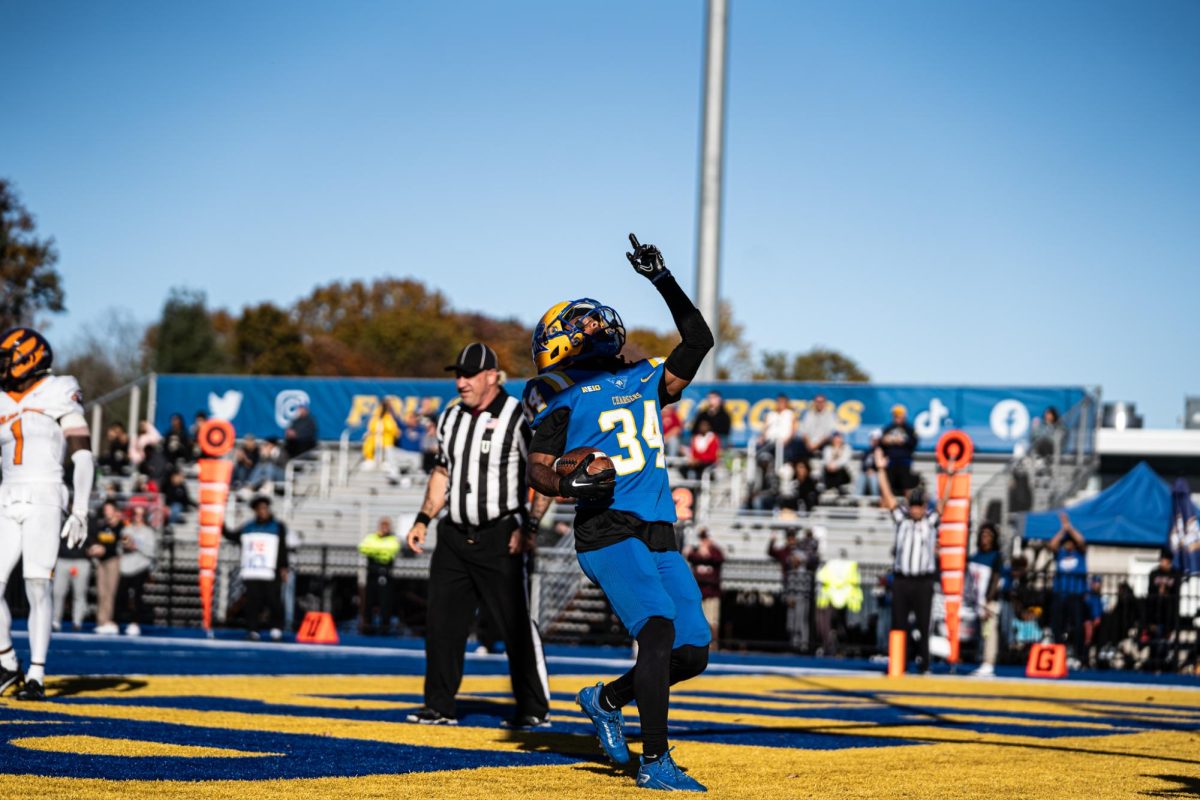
x=380, y=438
x=380, y=548
x=839, y=590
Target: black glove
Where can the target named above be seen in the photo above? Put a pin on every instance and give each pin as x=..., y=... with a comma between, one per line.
x=647, y=260
x=578, y=483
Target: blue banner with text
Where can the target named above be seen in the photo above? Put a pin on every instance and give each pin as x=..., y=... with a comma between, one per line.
x=996, y=417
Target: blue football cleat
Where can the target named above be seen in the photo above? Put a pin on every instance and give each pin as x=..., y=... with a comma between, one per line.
x=610, y=725
x=662, y=773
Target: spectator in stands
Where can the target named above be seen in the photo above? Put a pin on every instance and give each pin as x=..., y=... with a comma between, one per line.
x=245, y=459
x=915, y=566
x=1070, y=585
x=410, y=443
x=1046, y=434
x=983, y=570
x=176, y=496
x=155, y=467
x=380, y=549
x=177, y=444
x=672, y=430
x=712, y=408
x=835, y=463
x=269, y=470
x=73, y=573
x=139, y=544
x=804, y=492
x=379, y=437
x=867, y=483
x=106, y=535
x=264, y=565
x=147, y=435
x=141, y=485
x=817, y=427
x=115, y=459
x=899, y=442
x=779, y=428
x=799, y=561
x=1162, y=597
x=198, y=420
x=703, y=451
x=706, y=560
x=301, y=434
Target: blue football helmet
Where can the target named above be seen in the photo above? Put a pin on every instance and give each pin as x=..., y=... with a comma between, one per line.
x=576, y=329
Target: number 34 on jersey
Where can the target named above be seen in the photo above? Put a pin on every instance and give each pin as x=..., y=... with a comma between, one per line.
x=633, y=457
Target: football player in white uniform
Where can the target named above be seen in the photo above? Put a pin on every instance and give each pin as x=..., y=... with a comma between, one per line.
x=41, y=416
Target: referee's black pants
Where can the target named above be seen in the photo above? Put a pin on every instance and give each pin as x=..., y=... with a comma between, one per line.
x=913, y=594
x=461, y=576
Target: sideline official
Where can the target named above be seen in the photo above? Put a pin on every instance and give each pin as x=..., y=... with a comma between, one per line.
x=915, y=567
x=483, y=541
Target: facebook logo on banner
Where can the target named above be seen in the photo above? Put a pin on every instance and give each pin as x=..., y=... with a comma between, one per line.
x=286, y=403
x=1010, y=419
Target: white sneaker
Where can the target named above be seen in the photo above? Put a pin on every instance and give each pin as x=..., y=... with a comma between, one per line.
x=985, y=671
x=107, y=629
x=276, y=634
x=56, y=626
x=133, y=629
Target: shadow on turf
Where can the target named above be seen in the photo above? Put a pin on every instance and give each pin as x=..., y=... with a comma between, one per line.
x=1189, y=786
x=874, y=697
x=75, y=686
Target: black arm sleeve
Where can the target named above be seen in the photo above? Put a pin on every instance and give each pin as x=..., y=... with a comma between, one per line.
x=550, y=437
x=697, y=338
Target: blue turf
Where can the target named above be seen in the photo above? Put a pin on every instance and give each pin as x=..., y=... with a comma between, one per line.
x=189, y=652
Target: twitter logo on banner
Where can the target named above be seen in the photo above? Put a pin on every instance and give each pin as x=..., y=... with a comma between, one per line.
x=225, y=406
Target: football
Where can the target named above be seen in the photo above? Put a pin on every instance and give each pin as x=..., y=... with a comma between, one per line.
x=567, y=462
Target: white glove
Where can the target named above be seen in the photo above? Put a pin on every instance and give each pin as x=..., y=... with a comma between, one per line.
x=74, y=530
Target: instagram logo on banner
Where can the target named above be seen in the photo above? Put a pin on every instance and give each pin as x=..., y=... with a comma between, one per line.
x=286, y=403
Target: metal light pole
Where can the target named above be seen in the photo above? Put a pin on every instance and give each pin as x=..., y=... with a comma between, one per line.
x=712, y=156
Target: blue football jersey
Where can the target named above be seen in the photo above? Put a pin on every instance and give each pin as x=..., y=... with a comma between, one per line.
x=618, y=413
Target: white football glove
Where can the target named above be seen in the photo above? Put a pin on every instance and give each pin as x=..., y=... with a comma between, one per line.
x=74, y=531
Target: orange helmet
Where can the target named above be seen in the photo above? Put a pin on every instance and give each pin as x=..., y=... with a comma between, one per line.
x=24, y=353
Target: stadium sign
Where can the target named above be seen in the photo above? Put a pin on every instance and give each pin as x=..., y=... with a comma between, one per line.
x=997, y=418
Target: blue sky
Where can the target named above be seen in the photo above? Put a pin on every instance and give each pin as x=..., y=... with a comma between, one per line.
x=957, y=192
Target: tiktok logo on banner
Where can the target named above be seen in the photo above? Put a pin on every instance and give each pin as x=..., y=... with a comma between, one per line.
x=929, y=423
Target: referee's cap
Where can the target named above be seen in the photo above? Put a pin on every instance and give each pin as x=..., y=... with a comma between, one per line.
x=474, y=359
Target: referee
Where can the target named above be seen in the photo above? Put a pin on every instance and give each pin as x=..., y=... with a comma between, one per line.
x=915, y=567
x=483, y=541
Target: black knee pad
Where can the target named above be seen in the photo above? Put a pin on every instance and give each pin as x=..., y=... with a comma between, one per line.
x=688, y=661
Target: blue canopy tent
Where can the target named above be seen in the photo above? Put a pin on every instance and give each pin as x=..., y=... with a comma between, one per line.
x=1136, y=511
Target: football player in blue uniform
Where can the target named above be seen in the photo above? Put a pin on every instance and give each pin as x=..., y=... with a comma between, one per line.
x=586, y=395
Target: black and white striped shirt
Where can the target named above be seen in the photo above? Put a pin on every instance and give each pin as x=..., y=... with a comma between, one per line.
x=485, y=454
x=916, y=542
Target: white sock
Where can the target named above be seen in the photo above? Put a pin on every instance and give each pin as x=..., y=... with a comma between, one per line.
x=41, y=612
